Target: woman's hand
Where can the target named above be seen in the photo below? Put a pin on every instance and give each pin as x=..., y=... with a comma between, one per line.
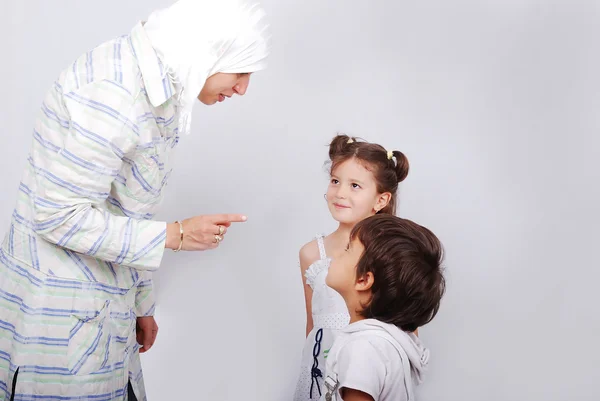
x=146, y=331
x=201, y=232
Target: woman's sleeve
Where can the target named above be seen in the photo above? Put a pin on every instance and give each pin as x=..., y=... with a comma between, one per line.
x=80, y=142
x=144, y=296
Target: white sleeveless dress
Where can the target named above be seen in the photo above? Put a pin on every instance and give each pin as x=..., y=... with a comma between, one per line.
x=330, y=314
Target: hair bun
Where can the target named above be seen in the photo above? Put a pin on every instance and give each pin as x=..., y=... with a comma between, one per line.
x=402, y=166
x=339, y=144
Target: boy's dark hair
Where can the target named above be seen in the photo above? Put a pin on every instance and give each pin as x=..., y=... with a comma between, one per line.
x=387, y=172
x=405, y=260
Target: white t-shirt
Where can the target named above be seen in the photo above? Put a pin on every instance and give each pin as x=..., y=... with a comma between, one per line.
x=371, y=365
x=384, y=364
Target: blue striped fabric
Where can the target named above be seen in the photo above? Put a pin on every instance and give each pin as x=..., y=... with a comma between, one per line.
x=76, y=264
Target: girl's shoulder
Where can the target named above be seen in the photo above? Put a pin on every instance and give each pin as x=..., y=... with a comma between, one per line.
x=310, y=253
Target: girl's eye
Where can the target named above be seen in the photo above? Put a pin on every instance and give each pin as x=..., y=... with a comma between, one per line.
x=334, y=181
x=355, y=185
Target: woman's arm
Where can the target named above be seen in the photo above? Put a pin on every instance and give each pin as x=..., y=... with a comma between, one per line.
x=80, y=142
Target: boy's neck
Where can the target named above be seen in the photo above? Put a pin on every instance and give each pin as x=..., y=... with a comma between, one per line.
x=354, y=317
x=354, y=307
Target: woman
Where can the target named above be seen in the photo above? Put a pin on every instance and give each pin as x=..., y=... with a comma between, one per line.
x=75, y=266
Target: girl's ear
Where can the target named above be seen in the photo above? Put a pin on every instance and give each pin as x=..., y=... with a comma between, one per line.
x=382, y=201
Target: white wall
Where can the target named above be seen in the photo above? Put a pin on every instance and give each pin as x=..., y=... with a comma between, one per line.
x=495, y=104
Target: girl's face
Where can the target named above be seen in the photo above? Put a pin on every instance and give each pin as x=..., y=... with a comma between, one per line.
x=352, y=194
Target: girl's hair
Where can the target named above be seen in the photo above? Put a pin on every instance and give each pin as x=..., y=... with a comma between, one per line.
x=375, y=158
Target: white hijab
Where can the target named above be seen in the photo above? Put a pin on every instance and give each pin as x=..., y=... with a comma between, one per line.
x=195, y=39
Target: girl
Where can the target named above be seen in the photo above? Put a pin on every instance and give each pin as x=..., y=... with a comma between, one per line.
x=364, y=182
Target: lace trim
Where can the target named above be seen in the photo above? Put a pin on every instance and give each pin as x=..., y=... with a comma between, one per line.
x=314, y=270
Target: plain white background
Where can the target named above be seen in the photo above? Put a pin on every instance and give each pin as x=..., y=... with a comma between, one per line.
x=494, y=102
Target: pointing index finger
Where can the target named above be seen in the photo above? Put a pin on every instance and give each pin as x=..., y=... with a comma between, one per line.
x=229, y=218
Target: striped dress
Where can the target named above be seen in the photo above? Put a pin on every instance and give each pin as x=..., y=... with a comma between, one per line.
x=76, y=263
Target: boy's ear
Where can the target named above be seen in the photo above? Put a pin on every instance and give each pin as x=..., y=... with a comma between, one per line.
x=365, y=282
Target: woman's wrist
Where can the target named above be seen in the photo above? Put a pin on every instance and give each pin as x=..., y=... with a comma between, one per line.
x=173, y=236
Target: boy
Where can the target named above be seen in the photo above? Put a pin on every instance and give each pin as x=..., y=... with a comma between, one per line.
x=391, y=279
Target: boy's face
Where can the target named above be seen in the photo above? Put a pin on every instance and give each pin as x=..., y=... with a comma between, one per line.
x=342, y=270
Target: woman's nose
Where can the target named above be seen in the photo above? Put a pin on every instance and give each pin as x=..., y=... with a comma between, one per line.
x=240, y=89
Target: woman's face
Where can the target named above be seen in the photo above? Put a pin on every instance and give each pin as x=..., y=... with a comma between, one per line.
x=223, y=85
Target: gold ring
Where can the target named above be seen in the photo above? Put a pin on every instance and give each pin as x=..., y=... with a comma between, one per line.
x=218, y=238
x=221, y=230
